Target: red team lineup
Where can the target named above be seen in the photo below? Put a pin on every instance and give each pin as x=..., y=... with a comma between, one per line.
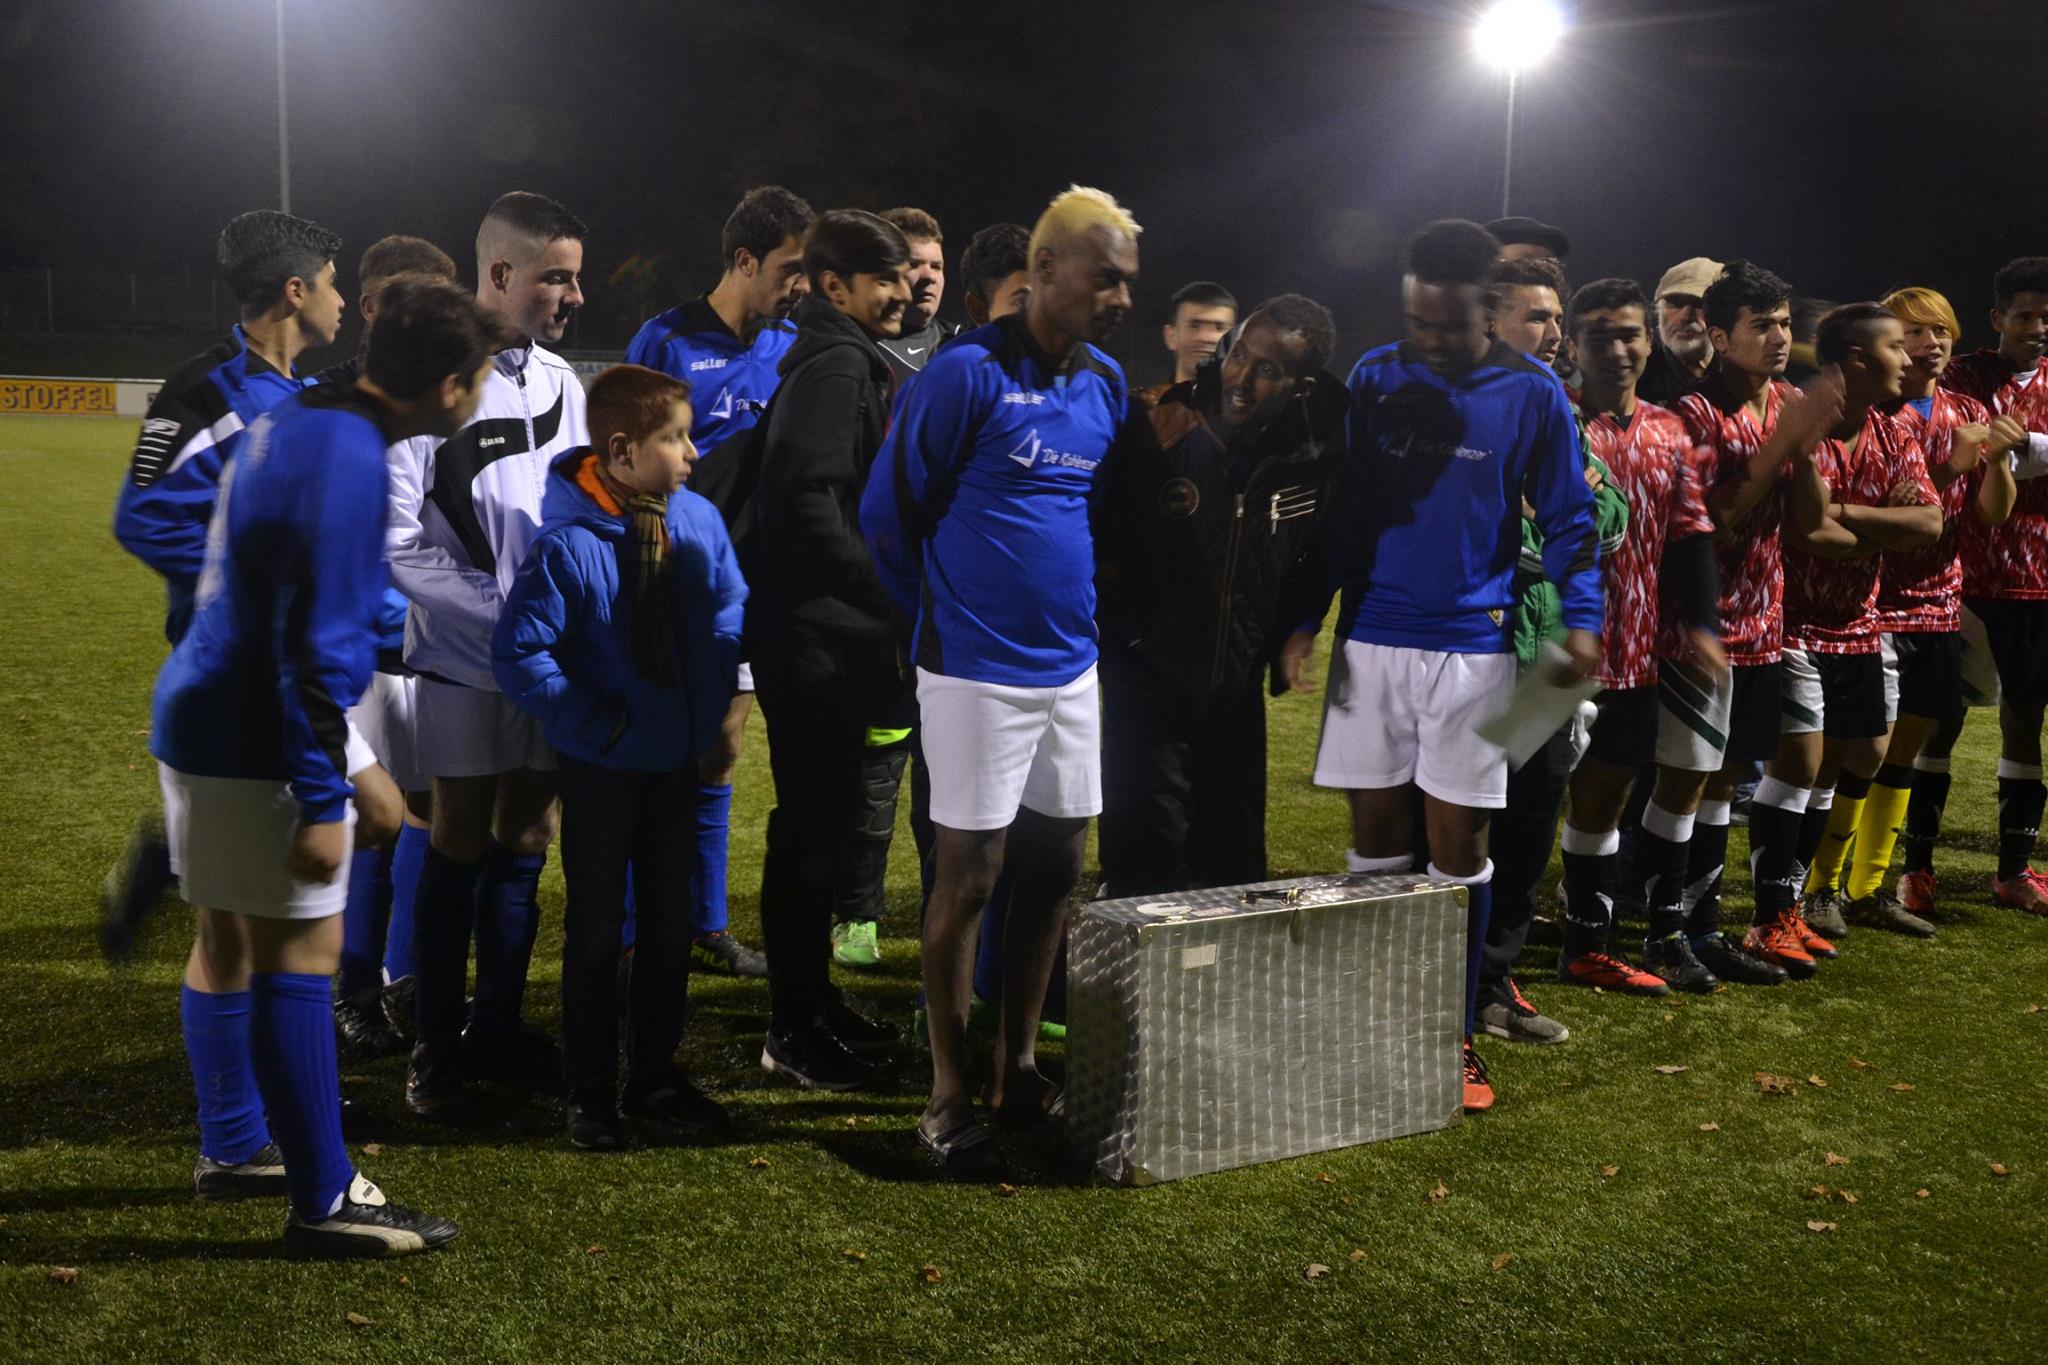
x=1801, y=585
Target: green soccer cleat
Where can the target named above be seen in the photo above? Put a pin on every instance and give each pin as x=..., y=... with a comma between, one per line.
x=854, y=945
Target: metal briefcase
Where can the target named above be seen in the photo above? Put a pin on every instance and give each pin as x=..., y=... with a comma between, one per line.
x=1218, y=1028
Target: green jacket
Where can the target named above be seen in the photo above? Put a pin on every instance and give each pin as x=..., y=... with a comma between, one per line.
x=1537, y=615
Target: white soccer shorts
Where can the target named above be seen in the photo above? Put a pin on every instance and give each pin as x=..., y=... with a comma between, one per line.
x=473, y=732
x=230, y=838
x=388, y=720
x=992, y=750
x=1394, y=715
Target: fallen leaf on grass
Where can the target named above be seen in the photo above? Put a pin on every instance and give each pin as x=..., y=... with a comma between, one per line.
x=1835, y=1159
x=1346, y=1200
x=64, y=1274
x=2031, y=1009
x=1847, y=1198
x=1816, y=1225
x=1669, y=1070
x=1776, y=1085
x=1005, y=1191
x=373, y=1149
x=1901, y=1086
x=854, y=1254
x=358, y=1320
x=405, y=1280
x=1922, y=1194
x=1820, y=1192
x=853, y=1120
x=1439, y=1194
x=1325, y=1178
x=1710, y=1128
x=1500, y=1262
x=1609, y=1171
x=1998, y=1168
x=1358, y=1253
x=595, y=1249
x=1316, y=1271
x=1859, y=1064
x=931, y=1274
x=1669, y=1017
x=759, y=1163
x=1817, y=1081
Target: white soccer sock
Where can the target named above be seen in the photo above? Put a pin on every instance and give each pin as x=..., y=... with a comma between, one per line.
x=1585, y=843
x=1669, y=825
x=1353, y=862
x=1781, y=795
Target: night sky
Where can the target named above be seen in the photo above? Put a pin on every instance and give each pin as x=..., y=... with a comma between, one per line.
x=1851, y=147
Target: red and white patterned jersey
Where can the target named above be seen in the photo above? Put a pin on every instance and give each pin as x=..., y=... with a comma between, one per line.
x=2009, y=561
x=1655, y=466
x=1752, y=567
x=1831, y=604
x=1921, y=590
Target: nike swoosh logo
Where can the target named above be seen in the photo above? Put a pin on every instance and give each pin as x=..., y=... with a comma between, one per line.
x=917, y=350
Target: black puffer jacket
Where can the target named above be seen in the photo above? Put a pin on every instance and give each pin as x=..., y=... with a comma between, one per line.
x=1205, y=555
x=807, y=560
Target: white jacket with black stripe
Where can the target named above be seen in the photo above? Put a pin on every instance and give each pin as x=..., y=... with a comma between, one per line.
x=464, y=510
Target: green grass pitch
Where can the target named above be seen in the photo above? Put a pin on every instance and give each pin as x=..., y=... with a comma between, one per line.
x=1602, y=1211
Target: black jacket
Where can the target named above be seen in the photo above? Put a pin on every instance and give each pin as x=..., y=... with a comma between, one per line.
x=808, y=561
x=1206, y=556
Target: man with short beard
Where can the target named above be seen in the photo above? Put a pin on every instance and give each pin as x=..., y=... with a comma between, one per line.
x=978, y=513
x=463, y=511
x=1203, y=563
x=1679, y=363
x=923, y=333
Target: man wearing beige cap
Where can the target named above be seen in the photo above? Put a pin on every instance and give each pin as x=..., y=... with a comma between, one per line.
x=1683, y=352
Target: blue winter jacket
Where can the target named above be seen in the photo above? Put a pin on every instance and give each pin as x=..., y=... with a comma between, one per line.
x=563, y=648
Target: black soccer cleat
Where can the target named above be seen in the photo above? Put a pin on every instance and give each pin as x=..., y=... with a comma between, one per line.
x=260, y=1177
x=1728, y=960
x=675, y=1103
x=858, y=1032
x=362, y=1030
x=721, y=952
x=133, y=886
x=1672, y=958
x=397, y=1001
x=594, y=1124
x=433, y=1082
x=367, y=1225
x=813, y=1058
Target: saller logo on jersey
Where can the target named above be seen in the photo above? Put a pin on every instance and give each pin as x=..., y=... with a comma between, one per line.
x=1027, y=399
x=707, y=364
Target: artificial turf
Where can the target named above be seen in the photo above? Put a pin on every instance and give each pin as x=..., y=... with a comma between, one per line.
x=1604, y=1210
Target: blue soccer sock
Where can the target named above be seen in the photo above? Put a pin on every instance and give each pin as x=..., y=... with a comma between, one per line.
x=231, y=1126
x=707, y=881
x=442, y=915
x=363, y=921
x=1478, y=914
x=507, y=918
x=291, y=1041
x=406, y=858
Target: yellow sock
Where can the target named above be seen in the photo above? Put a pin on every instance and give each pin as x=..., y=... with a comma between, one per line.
x=1877, y=831
x=1834, y=845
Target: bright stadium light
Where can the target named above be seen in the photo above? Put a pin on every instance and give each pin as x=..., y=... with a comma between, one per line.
x=1513, y=36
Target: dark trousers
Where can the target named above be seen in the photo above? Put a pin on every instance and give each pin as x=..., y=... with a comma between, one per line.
x=861, y=881
x=1183, y=795
x=816, y=692
x=614, y=820
x=1521, y=837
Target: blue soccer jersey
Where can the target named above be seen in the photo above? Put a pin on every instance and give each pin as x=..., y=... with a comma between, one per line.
x=977, y=507
x=730, y=381
x=289, y=606
x=193, y=425
x=1427, y=527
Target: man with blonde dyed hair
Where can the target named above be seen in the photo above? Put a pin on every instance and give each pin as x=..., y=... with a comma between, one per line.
x=977, y=509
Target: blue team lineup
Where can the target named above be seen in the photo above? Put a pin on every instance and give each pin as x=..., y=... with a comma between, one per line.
x=448, y=608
